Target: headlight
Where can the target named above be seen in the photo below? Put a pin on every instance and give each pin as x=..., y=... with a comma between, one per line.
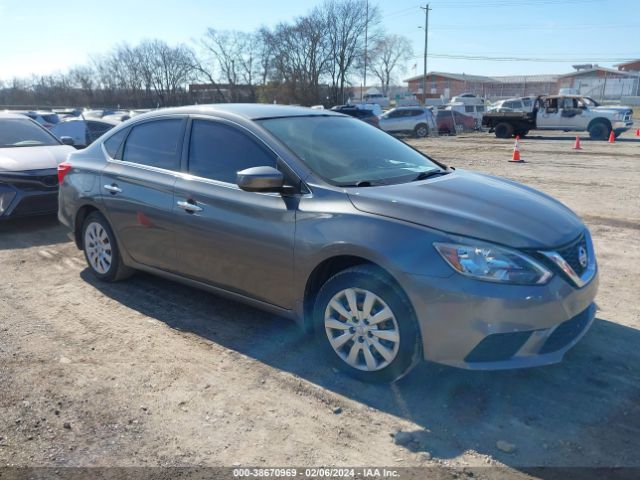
x=618, y=116
x=493, y=264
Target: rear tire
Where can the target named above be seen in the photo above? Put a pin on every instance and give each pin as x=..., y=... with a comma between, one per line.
x=503, y=130
x=380, y=341
x=421, y=131
x=599, y=131
x=101, y=249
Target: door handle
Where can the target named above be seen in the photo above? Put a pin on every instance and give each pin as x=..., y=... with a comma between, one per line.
x=189, y=207
x=113, y=188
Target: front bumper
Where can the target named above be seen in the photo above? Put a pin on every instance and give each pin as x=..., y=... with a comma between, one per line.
x=28, y=194
x=622, y=125
x=486, y=326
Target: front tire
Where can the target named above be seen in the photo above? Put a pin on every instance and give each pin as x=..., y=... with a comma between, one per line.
x=366, y=326
x=101, y=249
x=599, y=131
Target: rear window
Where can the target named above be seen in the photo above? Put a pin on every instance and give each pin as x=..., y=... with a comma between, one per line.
x=97, y=129
x=51, y=118
x=155, y=144
x=24, y=133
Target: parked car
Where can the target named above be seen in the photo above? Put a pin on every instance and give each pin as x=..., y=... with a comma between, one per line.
x=413, y=120
x=388, y=255
x=365, y=115
x=83, y=131
x=44, y=118
x=377, y=98
x=520, y=104
x=29, y=158
x=450, y=122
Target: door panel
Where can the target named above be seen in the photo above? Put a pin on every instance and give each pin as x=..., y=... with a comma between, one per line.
x=240, y=241
x=138, y=190
x=141, y=213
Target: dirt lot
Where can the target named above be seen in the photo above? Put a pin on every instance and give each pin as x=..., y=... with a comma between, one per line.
x=151, y=373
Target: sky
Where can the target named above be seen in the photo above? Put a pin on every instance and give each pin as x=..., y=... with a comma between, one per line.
x=40, y=37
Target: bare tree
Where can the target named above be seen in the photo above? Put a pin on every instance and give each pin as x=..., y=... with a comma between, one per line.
x=165, y=69
x=348, y=22
x=389, y=53
x=232, y=57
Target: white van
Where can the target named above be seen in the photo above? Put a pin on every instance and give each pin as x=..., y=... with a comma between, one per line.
x=377, y=98
x=472, y=110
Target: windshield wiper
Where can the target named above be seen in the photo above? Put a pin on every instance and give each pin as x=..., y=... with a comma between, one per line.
x=429, y=174
x=360, y=183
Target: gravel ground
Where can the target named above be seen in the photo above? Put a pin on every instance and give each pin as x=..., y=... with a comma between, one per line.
x=152, y=373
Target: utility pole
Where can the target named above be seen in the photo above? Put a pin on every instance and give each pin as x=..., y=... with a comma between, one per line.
x=366, y=43
x=426, y=39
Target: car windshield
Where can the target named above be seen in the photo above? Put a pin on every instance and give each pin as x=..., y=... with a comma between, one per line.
x=24, y=133
x=590, y=102
x=347, y=152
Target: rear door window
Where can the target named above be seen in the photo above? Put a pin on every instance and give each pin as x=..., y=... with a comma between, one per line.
x=218, y=151
x=96, y=129
x=113, y=143
x=156, y=144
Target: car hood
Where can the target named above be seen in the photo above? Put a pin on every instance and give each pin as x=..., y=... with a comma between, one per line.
x=19, y=159
x=613, y=109
x=475, y=205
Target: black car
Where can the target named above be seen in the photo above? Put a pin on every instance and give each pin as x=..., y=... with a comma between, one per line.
x=29, y=158
x=363, y=114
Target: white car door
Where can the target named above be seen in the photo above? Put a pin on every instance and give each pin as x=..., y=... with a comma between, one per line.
x=549, y=115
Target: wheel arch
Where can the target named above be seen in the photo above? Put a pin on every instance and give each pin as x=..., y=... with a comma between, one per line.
x=326, y=269
x=82, y=213
x=603, y=120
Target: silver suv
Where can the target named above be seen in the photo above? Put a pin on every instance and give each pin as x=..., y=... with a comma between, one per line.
x=412, y=120
x=388, y=255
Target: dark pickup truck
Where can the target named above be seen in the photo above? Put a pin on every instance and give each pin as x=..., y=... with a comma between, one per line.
x=562, y=112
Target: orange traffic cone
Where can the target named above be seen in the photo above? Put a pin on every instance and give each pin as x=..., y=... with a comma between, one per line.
x=612, y=137
x=516, y=154
x=638, y=132
x=577, y=146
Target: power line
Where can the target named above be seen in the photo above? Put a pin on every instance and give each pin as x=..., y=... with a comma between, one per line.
x=531, y=27
x=522, y=59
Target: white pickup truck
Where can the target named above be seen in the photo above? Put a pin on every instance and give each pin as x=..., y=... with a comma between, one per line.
x=562, y=112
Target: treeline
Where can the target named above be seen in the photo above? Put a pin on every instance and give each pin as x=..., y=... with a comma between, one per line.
x=312, y=60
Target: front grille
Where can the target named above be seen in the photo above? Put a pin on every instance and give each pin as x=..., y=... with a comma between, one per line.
x=571, y=254
x=498, y=347
x=29, y=181
x=37, y=204
x=568, y=331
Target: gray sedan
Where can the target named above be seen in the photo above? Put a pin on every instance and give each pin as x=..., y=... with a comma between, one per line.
x=386, y=254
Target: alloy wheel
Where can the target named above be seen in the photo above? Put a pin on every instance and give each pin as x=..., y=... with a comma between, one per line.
x=97, y=245
x=362, y=329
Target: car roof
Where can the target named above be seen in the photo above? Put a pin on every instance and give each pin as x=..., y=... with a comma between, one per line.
x=249, y=111
x=90, y=119
x=13, y=115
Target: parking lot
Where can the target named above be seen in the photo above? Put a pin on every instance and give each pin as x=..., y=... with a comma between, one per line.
x=151, y=373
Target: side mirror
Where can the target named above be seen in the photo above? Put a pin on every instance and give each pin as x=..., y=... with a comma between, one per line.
x=67, y=141
x=260, y=179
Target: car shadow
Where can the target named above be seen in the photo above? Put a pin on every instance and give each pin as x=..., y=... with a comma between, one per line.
x=582, y=412
x=31, y=232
